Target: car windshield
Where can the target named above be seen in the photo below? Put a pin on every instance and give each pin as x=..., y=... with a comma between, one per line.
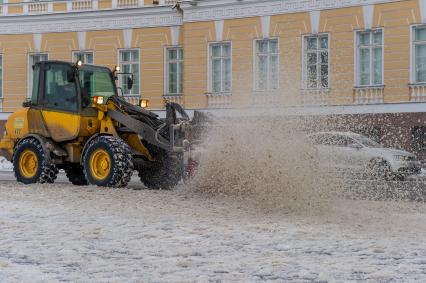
x=367, y=142
x=96, y=81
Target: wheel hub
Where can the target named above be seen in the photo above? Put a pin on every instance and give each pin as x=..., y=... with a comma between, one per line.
x=100, y=164
x=28, y=164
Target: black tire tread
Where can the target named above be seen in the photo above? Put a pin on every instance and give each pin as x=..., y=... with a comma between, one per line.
x=75, y=174
x=122, y=161
x=165, y=177
x=48, y=172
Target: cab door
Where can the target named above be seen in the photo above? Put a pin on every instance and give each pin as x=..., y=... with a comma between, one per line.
x=60, y=101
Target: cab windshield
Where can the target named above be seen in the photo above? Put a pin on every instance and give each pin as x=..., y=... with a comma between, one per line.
x=95, y=81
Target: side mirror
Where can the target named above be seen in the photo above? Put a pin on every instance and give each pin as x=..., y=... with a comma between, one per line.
x=27, y=103
x=129, y=83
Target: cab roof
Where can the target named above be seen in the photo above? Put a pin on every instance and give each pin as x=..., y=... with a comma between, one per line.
x=71, y=64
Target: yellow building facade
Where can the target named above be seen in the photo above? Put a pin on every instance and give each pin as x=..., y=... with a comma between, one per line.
x=226, y=53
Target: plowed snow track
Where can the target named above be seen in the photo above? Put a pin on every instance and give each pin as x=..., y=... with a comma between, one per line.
x=63, y=233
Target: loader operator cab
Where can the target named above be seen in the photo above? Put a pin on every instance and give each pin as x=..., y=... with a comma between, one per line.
x=54, y=87
x=67, y=87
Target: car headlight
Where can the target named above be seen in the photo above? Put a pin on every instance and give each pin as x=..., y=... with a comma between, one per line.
x=402, y=157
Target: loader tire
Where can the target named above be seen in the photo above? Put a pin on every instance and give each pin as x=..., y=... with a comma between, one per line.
x=166, y=176
x=108, y=162
x=31, y=165
x=75, y=175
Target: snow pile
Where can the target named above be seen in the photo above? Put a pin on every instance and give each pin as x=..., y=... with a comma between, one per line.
x=264, y=160
x=5, y=165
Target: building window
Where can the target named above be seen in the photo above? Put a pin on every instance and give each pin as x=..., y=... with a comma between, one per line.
x=1, y=76
x=316, y=68
x=369, y=61
x=32, y=59
x=266, y=64
x=419, y=47
x=85, y=56
x=174, y=71
x=220, y=68
x=129, y=63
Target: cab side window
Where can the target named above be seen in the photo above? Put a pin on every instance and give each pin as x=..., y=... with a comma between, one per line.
x=60, y=92
x=36, y=77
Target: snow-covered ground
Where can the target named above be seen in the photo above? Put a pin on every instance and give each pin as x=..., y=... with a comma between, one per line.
x=59, y=232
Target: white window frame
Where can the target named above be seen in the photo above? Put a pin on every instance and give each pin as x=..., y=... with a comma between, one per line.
x=30, y=70
x=305, y=63
x=210, y=71
x=1, y=77
x=166, y=70
x=268, y=83
x=83, y=52
x=357, y=78
x=413, y=43
x=119, y=63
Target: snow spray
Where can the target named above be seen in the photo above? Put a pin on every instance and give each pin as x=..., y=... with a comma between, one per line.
x=265, y=161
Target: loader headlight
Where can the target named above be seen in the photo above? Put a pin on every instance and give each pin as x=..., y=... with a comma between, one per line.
x=98, y=100
x=144, y=103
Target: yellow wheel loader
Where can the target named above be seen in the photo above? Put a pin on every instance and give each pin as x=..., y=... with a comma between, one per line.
x=77, y=121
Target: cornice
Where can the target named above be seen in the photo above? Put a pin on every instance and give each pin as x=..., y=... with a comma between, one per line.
x=204, y=10
x=207, y=10
x=90, y=20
